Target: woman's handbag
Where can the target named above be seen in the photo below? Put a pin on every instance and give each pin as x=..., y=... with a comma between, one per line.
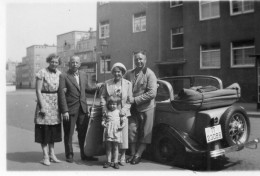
x=94, y=145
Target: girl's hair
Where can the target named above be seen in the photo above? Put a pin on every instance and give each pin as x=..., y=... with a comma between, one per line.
x=113, y=99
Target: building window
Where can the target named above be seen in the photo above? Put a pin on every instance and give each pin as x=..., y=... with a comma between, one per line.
x=139, y=22
x=242, y=6
x=210, y=57
x=177, y=38
x=104, y=30
x=209, y=10
x=105, y=64
x=175, y=3
x=240, y=54
x=37, y=58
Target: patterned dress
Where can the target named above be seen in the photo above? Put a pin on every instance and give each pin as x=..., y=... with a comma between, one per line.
x=50, y=98
x=111, y=132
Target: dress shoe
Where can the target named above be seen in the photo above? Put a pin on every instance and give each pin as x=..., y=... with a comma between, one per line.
x=116, y=166
x=121, y=163
x=128, y=160
x=54, y=159
x=46, y=161
x=136, y=160
x=107, y=165
x=69, y=159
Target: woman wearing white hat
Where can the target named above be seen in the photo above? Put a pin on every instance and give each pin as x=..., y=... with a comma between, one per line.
x=122, y=88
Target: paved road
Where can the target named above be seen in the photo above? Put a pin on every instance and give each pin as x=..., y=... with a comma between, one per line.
x=23, y=154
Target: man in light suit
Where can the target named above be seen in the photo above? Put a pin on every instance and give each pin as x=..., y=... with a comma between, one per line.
x=72, y=91
x=144, y=90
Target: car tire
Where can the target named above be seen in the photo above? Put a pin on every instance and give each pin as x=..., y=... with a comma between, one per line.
x=235, y=126
x=166, y=148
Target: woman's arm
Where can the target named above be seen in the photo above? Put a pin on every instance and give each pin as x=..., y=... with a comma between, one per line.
x=39, y=83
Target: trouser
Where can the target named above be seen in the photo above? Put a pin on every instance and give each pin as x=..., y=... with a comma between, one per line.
x=80, y=120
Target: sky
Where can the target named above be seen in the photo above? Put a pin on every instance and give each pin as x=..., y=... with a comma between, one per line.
x=37, y=22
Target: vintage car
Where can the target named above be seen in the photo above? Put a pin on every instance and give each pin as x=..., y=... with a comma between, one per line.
x=195, y=114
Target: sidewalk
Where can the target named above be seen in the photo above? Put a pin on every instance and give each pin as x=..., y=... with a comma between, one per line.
x=23, y=154
x=251, y=109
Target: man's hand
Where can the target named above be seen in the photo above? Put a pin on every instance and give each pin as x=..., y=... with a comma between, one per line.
x=104, y=124
x=66, y=116
x=99, y=85
x=131, y=100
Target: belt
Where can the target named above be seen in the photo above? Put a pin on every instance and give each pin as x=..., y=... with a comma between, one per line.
x=49, y=92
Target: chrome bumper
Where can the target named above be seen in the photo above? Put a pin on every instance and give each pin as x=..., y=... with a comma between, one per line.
x=219, y=152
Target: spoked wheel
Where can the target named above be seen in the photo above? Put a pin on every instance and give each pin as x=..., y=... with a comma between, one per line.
x=166, y=148
x=235, y=125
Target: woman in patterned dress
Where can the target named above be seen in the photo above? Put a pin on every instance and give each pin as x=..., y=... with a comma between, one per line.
x=47, y=117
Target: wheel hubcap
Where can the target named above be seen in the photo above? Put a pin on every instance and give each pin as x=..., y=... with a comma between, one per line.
x=238, y=128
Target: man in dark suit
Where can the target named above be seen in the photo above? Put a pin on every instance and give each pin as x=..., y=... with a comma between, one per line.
x=72, y=91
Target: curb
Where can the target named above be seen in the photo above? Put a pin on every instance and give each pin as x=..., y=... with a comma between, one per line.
x=253, y=114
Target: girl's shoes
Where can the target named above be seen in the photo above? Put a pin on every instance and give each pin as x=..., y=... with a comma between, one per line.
x=54, y=159
x=116, y=166
x=107, y=165
x=46, y=161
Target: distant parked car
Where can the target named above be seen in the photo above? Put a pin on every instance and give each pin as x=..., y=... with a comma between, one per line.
x=195, y=114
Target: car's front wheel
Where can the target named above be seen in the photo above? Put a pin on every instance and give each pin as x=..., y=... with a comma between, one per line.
x=166, y=148
x=235, y=126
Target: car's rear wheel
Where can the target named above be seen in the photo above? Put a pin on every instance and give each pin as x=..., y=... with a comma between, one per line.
x=235, y=126
x=166, y=148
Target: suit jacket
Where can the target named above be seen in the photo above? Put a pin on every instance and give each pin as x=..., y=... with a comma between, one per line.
x=108, y=90
x=144, y=88
x=72, y=96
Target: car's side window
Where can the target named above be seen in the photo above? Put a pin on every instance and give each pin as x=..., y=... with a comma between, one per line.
x=163, y=94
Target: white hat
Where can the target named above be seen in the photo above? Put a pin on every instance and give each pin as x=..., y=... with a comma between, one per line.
x=120, y=65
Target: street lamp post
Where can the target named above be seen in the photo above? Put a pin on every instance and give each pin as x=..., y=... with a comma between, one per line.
x=104, y=46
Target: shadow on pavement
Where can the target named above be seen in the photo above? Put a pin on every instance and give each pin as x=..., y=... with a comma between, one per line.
x=29, y=157
x=200, y=163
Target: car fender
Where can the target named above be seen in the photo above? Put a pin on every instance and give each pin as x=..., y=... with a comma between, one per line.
x=182, y=137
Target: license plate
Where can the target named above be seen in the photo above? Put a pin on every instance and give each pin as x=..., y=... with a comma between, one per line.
x=213, y=133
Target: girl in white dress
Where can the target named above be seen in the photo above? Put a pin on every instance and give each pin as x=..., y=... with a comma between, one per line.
x=113, y=125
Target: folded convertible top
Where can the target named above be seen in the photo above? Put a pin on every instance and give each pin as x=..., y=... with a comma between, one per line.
x=202, y=98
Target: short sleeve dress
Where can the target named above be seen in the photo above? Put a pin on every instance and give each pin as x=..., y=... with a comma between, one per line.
x=48, y=127
x=111, y=132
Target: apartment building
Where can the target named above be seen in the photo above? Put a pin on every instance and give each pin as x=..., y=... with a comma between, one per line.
x=183, y=38
x=86, y=50
x=34, y=60
x=11, y=72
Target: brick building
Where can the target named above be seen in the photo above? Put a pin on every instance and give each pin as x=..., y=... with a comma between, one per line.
x=183, y=38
